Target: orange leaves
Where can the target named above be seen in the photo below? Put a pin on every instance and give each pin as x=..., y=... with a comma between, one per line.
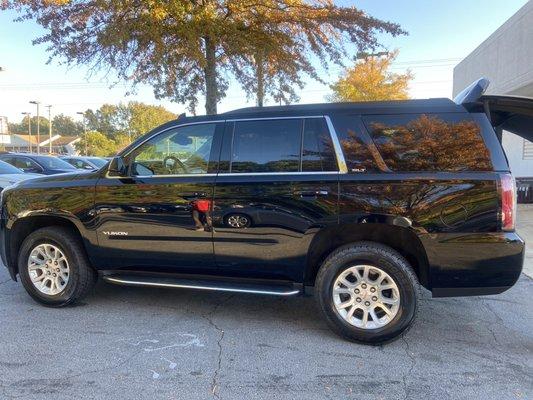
x=371, y=80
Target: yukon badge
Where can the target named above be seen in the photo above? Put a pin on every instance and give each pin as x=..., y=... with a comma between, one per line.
x=115, y=233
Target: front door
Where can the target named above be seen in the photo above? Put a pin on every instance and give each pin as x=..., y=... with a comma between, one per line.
x=158, y=216
x=277, y=185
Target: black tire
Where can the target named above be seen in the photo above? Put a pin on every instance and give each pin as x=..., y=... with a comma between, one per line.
x=386, y=259
x=82, y=276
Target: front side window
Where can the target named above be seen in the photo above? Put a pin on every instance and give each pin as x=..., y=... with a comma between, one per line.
x=183, y=150
x=426, y=142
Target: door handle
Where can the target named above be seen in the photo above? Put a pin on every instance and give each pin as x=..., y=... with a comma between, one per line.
x=312, y=193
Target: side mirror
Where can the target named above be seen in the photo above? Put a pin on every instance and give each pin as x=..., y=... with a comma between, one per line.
x=117, y=167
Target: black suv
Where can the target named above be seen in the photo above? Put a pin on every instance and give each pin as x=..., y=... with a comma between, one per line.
x=361, y=203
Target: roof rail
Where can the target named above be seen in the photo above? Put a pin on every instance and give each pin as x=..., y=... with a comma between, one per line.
x=473, y=92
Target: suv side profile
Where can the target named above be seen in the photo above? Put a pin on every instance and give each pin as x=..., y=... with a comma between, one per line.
x=359, y=203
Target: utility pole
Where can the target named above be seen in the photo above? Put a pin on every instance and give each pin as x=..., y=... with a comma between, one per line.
x=38, y=132
x=49, y=129
x=28, y=114
x=84, y=129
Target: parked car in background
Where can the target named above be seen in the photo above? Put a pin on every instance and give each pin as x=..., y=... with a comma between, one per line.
x=10, y=175
x=358, y=203
x=84, y=162
x=37, y=163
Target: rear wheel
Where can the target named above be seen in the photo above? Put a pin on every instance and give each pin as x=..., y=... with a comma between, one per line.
x=53, y=267
x=368, y=292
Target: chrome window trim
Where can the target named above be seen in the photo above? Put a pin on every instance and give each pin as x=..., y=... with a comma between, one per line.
x=341, y=162
x=270, y=118
x=333, y=134
x=278, y=173
x=169, y=176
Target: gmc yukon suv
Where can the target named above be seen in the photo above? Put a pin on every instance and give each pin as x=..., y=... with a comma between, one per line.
x=360, y=203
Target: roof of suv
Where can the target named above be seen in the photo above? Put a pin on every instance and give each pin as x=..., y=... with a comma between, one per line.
x=369, y=107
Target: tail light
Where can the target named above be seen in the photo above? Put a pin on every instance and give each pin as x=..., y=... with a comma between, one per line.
x=508, y=202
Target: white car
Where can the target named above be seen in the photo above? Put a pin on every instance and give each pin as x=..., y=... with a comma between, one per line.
x=10, y=175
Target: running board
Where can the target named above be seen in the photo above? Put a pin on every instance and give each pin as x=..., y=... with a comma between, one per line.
x=201, y=284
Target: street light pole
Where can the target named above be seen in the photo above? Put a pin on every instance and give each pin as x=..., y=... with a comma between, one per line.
x=28, y=114
x=49, y=129
x=84, y=129
x=38, y=132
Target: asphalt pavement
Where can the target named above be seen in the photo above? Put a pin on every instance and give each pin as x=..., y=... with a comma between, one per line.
x=141, y=343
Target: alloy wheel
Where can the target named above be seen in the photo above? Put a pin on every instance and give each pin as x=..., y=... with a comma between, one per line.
x=48, y=269
x=366, y=296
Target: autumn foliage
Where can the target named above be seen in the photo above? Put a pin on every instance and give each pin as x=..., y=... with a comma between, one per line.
x=187, y=48
x=372, y=80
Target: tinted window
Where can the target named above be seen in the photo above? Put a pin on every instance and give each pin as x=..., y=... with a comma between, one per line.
x=53, y=162
x=6, y=168
x=25, y=163
x=267, y=146
x=99, y=162
x=447, y=142
x=317, y=150
x=183, y=150
x=359, y=151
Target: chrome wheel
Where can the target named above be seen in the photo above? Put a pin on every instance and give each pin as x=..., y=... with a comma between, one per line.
x=48, y=269
x=366, y=296
x=238, y=221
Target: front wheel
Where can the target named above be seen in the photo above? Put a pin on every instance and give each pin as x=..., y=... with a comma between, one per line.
x=367, y=292
x=53, y=267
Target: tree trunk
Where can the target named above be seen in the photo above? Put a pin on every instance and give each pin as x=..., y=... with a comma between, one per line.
x=210, y=72
x=260, y=76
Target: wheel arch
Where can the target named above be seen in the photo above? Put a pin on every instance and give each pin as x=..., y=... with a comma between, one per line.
x=22, y=227
x=403, y=240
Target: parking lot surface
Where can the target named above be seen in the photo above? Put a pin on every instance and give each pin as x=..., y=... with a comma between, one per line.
x=134, y=343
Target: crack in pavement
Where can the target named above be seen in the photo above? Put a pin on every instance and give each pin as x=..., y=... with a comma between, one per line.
x=409, y=372
x=208, y=317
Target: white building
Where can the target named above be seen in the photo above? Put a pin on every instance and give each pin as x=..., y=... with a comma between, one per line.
x=506, y=59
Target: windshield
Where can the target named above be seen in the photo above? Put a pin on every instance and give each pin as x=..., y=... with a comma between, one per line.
x=6, y=168
x=99, y=162
x=52, y=162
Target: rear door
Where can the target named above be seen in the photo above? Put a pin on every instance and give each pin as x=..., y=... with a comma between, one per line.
x=277, y=186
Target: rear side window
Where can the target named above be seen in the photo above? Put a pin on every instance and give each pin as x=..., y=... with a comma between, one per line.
x=281, y=145
x=266, y=146
x=317, y=149
x=426, y=142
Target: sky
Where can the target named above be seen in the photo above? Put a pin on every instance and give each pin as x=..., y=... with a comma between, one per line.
x=441, y=34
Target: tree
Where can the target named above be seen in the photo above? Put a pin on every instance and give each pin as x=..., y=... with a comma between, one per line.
x=66, y=126
x=98, y=145
x=129, y=120
x=372, y=80
x=183, y=48
x=21, y=128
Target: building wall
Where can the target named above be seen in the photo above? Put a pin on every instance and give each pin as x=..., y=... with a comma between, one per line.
x=514, y=149
x=506, y=59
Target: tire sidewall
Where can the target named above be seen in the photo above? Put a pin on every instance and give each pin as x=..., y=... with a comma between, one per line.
x=334, y=266
x=65, y=296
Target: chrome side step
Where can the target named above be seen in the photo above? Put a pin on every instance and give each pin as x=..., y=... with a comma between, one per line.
x=201, y=284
